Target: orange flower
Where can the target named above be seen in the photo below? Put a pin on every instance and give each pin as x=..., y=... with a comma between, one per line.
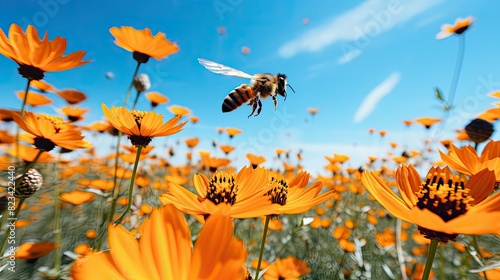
x=232, y=131
x=192, y=142
x=31, y=250
x=255, y=160
x=179, y=110
x=156, y=98
x=46, y=132
x=227, y=149
x=312, y=111
x=72, y=96
x=213, y=163
x=73, y=113
x=27, y=154
x=443, y=205
x=427, y=122
x=34, y=99
x=164, y=251
x=142, y=43
x=42, y=86
x=141, y=126
x=287, y=268
x=36, y=56
x=294, y=197
x=340, y=158
x=243, y=192
x=460, y=26
x=6, y=138
x=77, y=197
x=465, y=160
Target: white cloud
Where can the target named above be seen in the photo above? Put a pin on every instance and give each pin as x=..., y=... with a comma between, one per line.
x=349, y=56
x=357, y=26
x=372, y=99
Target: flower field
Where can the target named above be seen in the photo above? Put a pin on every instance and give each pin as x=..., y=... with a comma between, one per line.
x=71, y=212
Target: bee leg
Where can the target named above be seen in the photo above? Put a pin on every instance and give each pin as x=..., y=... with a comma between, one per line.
x=254, y=104
x=260, y=108
x=275, y=101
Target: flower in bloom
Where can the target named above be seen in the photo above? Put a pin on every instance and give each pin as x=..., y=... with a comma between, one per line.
x=156, y=98
x=36, y=56
x=232, y=131
x=443, y=205
x=427, y=122
x=142, y=43
x=164, y=251
x=287, y=268
x=34, y=99
x=46, y=132
x=71, y=96
x=466, y=161
x=295, y=197
x=458, y=28
x=141, y=126
x=74, y=114
x=179, y=110
x=243, y=192
x=32, y=250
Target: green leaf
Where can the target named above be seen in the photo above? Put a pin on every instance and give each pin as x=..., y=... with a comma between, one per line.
x=439, y=95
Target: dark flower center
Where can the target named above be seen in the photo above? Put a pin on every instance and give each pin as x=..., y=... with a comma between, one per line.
x=138, y=140
x=445, y=196
x=278, y=191
x=222, y=188
x=30, y=72
x=140, y=57
x=461, y=29
x=44, y=144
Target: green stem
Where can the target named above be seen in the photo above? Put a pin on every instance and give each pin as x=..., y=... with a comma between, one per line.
x=57, y=229
x=131, y=187
x=475, y=243
x=9, y=229
x=430, y=259
x=131, y=84
x=26, y=91
x=340, y=264
x=399, y=250
x=116, y=189
x=458, y=68
x=263, y=242
x=135, y=100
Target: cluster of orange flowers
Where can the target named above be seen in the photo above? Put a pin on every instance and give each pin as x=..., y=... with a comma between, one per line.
x=152, y=239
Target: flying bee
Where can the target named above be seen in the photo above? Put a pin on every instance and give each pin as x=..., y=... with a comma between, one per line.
x=262, y=86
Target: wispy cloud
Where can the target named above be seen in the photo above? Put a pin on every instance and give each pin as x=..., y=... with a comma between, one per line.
x=357, y=26
x=347, y=57
x=372, y=99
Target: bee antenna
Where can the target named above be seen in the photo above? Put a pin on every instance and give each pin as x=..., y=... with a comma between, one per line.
x=290, y=87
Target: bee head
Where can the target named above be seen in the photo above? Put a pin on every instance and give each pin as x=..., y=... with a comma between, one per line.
x=282, y=85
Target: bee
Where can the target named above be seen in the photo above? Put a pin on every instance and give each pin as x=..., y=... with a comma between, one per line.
x=262, y=86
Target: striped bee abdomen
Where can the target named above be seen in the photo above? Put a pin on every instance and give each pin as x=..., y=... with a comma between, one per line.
x=237, y=97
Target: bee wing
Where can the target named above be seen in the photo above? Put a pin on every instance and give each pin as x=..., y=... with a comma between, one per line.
x=223, y=69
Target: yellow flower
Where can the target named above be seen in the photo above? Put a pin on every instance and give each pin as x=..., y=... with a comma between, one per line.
x=141, y=126
x=244, y=193
x=36, y=56
x=443, y=205
x=164, y=251
x=142, y=43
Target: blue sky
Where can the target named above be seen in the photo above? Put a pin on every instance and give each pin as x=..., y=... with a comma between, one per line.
x=381, y=51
